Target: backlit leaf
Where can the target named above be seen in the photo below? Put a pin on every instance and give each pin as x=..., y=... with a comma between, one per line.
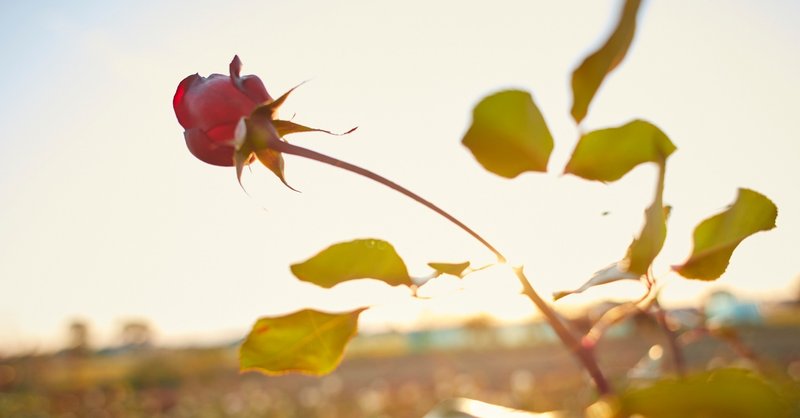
x=605, y=407
x=609, y=274
x=453, y=269
x=716, y=237
x=588, y=77
x=508, y=135
x=307, y=341
x=644, y=248
x=358, y=259
x=730, y=393
x=608, y=154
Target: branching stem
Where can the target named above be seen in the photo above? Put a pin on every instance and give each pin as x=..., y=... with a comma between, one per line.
x=568, y=338
x=677, y=352
x=583, y=353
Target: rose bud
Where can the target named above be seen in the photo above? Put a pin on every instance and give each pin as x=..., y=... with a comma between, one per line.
x=210, y=109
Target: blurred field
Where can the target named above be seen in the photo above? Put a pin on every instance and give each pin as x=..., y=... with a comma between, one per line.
x=370, y=383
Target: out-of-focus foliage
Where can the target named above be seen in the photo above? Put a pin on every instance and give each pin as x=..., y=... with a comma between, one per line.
x=609, y=274
x=307, y=341
x=716, y=237
x=644, y=248
x=508, y=135
x=588, y=77
x=730, y=393
x=359, y=259
x=453, y=269
x=608, y=154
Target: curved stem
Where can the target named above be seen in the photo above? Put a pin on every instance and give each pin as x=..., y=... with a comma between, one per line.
x=677, y=353
x=582, y=353
x=313, y=155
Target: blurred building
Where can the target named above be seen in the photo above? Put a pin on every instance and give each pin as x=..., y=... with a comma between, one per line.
x=723, y=308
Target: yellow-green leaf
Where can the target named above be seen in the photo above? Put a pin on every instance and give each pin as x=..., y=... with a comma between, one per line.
x=610, y=274
x=358, y=259
x=729, y=393
x=508, y=135
x=608, y=154
x=307, y=341
x=716, y=237
x=644, y=248
x=588, y=77
x=453, y=269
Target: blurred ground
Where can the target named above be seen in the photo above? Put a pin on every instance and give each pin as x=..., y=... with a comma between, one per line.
x=154, y=382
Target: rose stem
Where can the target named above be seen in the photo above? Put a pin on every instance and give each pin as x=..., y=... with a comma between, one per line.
x=672, y=339
x=313, y=155
x=583, y=354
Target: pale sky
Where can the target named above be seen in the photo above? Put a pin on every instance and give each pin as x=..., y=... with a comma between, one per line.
x=104, y=214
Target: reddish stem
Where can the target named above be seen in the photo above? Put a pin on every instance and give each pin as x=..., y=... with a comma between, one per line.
x=672, y=338
x=583, y=354
x=288, y=148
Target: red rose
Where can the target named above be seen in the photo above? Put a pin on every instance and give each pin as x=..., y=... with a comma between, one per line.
x=210, y=108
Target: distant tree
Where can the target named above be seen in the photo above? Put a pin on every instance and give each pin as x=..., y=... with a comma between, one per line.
x=797, y=289
x=78, y=337
x=136, y=334
x=481, y=331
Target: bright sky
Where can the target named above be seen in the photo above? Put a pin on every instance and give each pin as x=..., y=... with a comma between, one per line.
x=104, y=214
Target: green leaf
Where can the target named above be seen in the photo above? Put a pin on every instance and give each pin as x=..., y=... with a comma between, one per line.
x=716, y=237
x=644, y=248
x=608, y=154
x=358, y=259
x=307, y=341
x=453, y=269
x=285, y=127
x=730, y=393
x=609, y=274
x=588, y=77
x=508, y=135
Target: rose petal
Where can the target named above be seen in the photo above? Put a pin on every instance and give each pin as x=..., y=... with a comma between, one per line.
x=254, y=88
x=224, y=134
x=208, y=150
x=215, y=100
x=235, y=67
x=179, y=101
x=209, y=109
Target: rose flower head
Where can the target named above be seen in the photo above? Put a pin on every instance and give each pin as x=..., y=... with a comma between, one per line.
x=210, y=108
